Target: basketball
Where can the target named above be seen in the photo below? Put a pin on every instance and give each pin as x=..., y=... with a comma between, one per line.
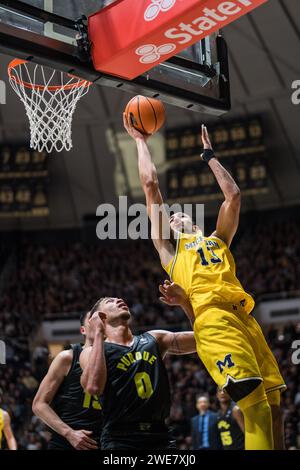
x=147, y=115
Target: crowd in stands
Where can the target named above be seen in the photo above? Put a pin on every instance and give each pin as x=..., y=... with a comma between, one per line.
x=275, y=247
x=70, y=278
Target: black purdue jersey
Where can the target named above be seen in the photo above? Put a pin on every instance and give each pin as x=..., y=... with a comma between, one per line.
x=75, y=407
x=232, y=437
x=136, y=399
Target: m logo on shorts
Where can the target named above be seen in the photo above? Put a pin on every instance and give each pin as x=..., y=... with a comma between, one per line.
x=227, y=362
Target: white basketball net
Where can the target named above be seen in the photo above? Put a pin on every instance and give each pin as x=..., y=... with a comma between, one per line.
x=50, y=98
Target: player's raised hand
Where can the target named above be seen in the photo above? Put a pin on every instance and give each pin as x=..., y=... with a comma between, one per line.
x=172, y=294
x=132, y=131
x=97, y=322
x=80, y=440
x=205, y=138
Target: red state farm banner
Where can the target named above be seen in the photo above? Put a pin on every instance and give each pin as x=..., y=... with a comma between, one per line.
x=132, y=36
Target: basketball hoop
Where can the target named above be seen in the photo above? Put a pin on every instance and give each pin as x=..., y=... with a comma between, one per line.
x=50, y=98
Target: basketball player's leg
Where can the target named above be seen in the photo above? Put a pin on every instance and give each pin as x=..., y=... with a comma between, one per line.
x=273, y=381
x=258, y=420
x=224, y=346
x=277, y=419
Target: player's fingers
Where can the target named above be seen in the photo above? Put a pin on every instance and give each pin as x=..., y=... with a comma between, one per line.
x=169, y=288
x=87, y=438
x=206, y=135
x=87, y=433
x=81, y=445
x=162, y=289
x=87, y=441
x=102, y=315
x=163, y=300
x=86, y=447
x=164, y=286
x=125, y=121
x=91, y=446
x=203, y=131
x=130, y=123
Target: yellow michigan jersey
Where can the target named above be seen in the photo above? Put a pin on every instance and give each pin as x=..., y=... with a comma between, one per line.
x=229, y=341
x=205, y=268
x=1, y=426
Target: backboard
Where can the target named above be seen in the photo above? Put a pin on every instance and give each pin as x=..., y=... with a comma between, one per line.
x=44, y=31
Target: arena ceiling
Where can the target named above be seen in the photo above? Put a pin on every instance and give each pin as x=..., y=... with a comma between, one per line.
x=264, y=62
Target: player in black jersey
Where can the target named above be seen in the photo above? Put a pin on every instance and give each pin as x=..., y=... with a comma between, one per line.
x=230, y=423
x=128, y=371
x=74, y=416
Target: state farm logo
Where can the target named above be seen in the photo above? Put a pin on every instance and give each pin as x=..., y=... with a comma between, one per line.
x=151, y=53
x=156, y=7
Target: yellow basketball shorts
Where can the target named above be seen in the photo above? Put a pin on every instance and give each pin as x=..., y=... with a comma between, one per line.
x=232, y=347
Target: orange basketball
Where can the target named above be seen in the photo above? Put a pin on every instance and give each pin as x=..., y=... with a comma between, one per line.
x=147, y=115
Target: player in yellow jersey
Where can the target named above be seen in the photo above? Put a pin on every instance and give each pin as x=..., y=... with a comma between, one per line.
x=229, y=341
x=5, y=430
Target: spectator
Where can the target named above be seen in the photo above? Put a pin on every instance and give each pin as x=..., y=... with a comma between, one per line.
x=205, y=435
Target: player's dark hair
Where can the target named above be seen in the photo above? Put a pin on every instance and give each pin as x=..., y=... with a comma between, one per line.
x=96, y=306
x=83, y=317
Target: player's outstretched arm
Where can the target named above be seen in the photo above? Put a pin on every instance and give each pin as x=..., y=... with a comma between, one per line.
x=41, y=406
x=228, y=218
x=92, y=359
x=8, y=433
x=174, y=295
x=175, y=343
x=160, y=226
x=239, y=417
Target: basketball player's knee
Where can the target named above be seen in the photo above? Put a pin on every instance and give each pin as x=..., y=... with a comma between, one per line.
x=258, y=395
x=240, y=390
x=274, y=398
x=258, y=420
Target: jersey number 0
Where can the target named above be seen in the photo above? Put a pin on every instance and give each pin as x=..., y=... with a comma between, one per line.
x=143, y=385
